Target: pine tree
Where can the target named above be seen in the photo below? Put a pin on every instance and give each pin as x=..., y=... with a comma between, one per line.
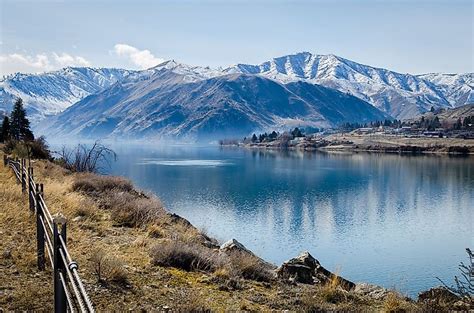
x=19, y=124
x=5, y=129
x=254, y=138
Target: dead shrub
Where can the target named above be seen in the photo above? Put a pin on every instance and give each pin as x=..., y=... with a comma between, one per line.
x=93, y=183
x=131, y=210
x=186, y=256
x=250, y=267
x=85, y=158
x=108, y=268
x=395, y=303
x=332, y=292
x=86, y=209
x=155, y=231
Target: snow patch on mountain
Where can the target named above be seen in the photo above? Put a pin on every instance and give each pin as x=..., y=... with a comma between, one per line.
x=50, y=93
x=400, y=95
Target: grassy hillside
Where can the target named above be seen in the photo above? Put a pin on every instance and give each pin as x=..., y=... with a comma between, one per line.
x=149, y=259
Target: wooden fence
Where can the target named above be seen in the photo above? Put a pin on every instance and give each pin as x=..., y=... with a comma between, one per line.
x=69, y=292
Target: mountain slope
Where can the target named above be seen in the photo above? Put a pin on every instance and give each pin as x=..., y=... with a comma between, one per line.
x=400, y=95
x=50, y=93
x=213, y=108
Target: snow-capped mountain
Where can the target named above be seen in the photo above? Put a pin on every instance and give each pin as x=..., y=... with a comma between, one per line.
x=50, y=93
x=400, y=95
x=166, y=103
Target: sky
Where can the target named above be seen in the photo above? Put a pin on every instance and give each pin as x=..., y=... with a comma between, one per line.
x=416, y=36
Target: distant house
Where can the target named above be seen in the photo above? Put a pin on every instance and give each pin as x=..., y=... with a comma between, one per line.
x=365, y=130
x=434, y=133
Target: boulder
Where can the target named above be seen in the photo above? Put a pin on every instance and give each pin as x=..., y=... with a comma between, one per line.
x=306, y=269
x=233, y=245
x=437, y=294
x=301, y=269
x=373, y=291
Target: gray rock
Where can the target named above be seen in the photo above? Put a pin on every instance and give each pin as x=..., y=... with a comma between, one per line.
x=373, y=291
x=437, y=294
x=234, y=245
x=78, y=218
x=307, y=270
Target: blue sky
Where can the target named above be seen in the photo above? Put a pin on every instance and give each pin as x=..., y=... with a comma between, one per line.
x=405, y=36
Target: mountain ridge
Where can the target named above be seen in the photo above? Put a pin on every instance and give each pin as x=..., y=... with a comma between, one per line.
x=230, y=105
x=399, y=95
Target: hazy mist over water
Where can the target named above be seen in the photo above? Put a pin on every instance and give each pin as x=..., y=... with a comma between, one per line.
x=397, y=221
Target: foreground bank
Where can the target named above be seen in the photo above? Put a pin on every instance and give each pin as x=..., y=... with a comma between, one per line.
x=135, y=255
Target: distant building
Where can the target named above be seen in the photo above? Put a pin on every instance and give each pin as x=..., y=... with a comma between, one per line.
x=365, y=130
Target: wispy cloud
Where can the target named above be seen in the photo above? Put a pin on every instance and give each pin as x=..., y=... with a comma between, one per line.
x=25, y=63
x=142, y=58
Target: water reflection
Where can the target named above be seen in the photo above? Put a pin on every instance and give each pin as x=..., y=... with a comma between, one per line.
x=387, y=219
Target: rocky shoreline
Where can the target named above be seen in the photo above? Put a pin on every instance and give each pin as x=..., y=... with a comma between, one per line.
x=305, y=269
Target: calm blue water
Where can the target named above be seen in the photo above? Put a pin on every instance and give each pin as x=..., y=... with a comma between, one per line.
x=396, y=221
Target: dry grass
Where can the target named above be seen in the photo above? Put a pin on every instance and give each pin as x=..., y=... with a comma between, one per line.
x=87, y=209
x=250, y=267
x=131, y=210
x=395, y=303
x=186, y=256
x=93, y=183
x=108, y=268
x=155, y=231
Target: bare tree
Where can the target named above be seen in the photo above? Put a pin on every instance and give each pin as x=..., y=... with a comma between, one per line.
x=85, y=158
x=464, y=284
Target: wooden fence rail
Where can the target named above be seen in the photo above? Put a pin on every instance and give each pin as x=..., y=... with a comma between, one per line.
x=69, y=292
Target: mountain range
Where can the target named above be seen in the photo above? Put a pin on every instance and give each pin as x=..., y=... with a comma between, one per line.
x=178, y=100
x=168, y=104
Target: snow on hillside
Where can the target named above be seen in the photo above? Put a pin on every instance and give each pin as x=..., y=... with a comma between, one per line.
x=400, y=95
x=50, y=93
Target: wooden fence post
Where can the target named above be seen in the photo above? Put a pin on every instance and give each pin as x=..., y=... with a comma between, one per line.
x=31, y=191
x=23, y=176
x=60, y=301
x=39, y=229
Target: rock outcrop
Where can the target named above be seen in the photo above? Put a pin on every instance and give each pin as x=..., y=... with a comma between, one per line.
x=233, y=245
x=436, y=294
x=373, y=291
x=306, y=269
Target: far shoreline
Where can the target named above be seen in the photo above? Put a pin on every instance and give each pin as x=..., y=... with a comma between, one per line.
x=380, y=144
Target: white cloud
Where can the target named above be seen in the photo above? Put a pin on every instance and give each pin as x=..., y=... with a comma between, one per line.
x=17, y=62
x=142, y=58
x=67, y=60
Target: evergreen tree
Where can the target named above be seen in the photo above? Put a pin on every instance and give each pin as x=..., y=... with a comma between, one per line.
x=5, y=129
x=254, y=138
x=19, y=124
x=458, y=124
x=297, y=132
